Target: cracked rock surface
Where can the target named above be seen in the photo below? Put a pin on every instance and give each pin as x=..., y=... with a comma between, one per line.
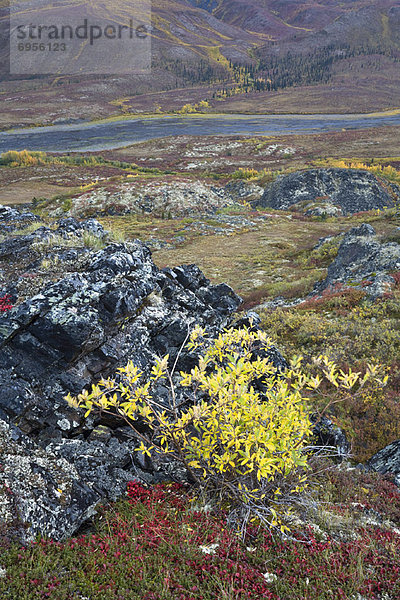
x=40, y=492
x=351, y=190
x=361, y=256
x=387, y=460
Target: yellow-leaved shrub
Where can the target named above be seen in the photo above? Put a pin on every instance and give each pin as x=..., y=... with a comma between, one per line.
x=244, y=437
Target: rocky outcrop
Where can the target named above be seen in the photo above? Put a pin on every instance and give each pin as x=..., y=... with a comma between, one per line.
x=387, y=461
x=87, y=324
x=329, y=191
x=168, y=200
x=243, y=191
x=12, y=219
x=40, y=492
x=172, y=199
x=95, y=311
x=40, y=254
x=362, y=258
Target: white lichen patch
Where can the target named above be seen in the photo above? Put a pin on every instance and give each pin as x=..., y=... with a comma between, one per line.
x=270, y=577
x=211, y=549
x=38, y=487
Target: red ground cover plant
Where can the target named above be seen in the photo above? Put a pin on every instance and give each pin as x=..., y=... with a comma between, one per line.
x=336, y=296
x=396, y=277
x=370, y=491
x=155, y=545
x=5, y=303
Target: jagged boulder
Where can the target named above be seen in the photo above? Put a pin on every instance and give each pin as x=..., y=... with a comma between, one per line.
x=352, y=190
x=12, y=219
x=361, y=256
x=39, y=491
x=92, y=314
x=89, y=323
x=387, y=461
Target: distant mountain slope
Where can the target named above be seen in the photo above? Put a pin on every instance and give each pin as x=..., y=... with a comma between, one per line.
x=370, y=25
x=281, y=18
x=240, y=52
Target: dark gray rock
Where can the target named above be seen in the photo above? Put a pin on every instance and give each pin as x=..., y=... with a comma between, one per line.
x=75, y=331
x=105, y=466
x=70, y=226
x=363, y=230
x=66, y=228
x=361, y=256
x=12, y=219
x=327, y=434
x=349, y=189
x=86, y=325
x=387, y=461
x=250, y=319
x=40, y=492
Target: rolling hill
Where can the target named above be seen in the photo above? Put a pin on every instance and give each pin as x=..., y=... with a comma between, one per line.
x=247, y=56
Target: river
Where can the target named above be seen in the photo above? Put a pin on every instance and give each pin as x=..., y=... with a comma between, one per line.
x=85, y=137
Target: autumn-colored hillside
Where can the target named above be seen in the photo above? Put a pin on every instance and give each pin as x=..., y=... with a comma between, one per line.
x=256, y=56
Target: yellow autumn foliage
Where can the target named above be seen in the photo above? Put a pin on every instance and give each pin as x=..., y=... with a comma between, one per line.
x=246, y=446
